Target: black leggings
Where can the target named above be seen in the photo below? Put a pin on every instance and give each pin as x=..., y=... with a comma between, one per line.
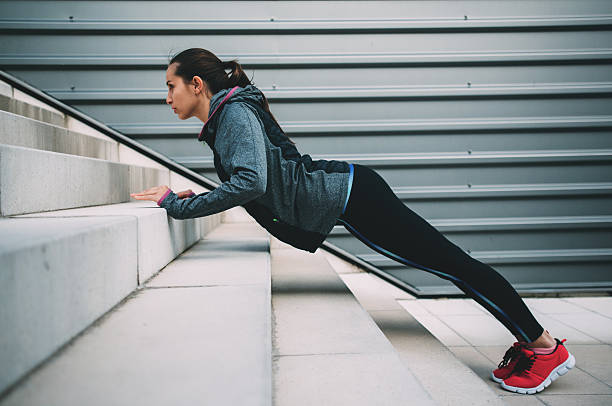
x=377, y=217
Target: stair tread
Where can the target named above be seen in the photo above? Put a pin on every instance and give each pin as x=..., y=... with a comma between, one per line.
x=33, y=180
x=19, y=233
x=22, y=131
x=138, y=208
x=26, y=106
x=328, y=350
x=444, y=376
x=186, y=338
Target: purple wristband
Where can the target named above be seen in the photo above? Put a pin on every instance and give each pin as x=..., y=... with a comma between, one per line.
x=164, y=196
x=192, y=194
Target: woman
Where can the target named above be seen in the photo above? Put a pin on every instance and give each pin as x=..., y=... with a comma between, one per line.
x=299, y=201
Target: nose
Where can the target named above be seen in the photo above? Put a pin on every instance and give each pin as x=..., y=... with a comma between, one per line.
x=168, y=100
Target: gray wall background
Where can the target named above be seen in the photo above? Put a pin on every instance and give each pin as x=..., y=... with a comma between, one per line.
x=491, y=119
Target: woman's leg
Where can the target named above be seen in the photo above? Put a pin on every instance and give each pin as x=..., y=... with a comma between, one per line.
x=377, y=217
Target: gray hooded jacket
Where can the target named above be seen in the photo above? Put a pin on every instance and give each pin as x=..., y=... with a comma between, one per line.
x=296, y=199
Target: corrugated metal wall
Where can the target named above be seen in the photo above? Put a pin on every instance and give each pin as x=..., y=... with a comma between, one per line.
x=491, y=119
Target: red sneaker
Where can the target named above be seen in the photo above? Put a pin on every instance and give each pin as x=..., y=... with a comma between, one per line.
x=505, y=367
x=534, y=372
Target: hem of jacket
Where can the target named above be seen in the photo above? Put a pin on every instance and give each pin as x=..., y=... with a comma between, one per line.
x=159, y=202
x=311, y=240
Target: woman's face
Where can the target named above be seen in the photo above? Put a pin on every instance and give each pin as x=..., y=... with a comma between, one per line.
x=185, y=99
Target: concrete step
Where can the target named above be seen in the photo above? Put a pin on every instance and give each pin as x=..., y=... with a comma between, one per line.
x=75, y=139
x=28, y=122
x=198, y=332
x=445, y=377
x=18, y=102
x=34, y=181
x=160, y=237
x=64, y=269
x=22, y=131
x=327, y=349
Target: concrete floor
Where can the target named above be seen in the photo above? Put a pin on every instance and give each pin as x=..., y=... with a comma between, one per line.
x=474, y=336
x=479, y=340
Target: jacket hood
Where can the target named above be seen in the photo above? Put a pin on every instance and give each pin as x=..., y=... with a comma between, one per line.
x=249, y=94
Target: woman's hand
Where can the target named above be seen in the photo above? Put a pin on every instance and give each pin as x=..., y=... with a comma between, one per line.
x=184, y=193
x=154, y=194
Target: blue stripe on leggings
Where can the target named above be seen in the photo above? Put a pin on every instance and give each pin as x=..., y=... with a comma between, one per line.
x=350, y=182
x=407, y=262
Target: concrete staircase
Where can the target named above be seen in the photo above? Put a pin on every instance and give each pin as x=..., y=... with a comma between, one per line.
x=444, y=376
x=104, y=300
x=72, y=244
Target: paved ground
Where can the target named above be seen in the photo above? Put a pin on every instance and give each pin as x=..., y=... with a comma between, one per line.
x=474, y=336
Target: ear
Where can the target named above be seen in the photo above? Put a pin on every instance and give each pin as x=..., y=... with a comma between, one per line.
x=198, y=84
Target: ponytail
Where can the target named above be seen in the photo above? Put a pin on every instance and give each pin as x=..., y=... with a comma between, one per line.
x=203, y=63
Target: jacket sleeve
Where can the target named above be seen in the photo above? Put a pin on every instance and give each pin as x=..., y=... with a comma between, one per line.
x=241, y=148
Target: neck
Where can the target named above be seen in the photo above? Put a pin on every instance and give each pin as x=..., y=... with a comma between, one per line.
x=202, y=110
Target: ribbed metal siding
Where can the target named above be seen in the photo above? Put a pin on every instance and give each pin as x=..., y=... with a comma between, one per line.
x=490, y=119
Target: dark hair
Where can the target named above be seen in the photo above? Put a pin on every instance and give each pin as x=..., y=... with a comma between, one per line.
x=203, y=63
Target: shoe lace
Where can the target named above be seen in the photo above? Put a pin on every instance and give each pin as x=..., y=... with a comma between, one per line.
x=509, y=355
x=524, y=363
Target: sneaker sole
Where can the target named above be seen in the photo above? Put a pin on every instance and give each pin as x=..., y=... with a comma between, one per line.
x=562, y=369
x=496, y=379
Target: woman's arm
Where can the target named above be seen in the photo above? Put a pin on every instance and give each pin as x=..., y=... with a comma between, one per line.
x=159, y=193
x=241, y=148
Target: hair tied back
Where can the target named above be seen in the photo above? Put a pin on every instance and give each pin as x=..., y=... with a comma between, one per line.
x=213, y=71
